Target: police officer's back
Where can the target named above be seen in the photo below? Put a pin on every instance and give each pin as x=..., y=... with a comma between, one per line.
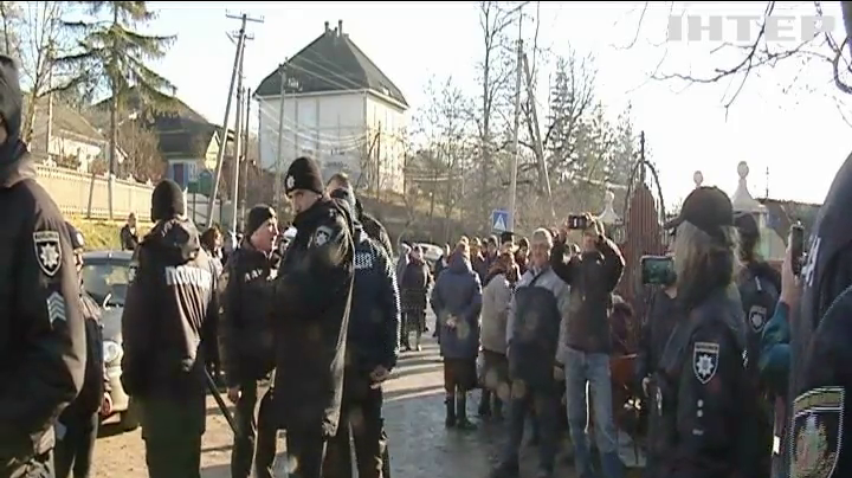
x=42, y=337
x=821, y=333
x=705, y=401
x=171, y=294
x=311, y=316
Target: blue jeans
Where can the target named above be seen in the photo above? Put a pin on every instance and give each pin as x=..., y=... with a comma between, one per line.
x=582, y=369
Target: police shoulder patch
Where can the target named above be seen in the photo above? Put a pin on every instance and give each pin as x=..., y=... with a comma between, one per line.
x=757, y=317
x=131, y=271
x=48, y=251
x=705, y=360
x=321, y=236
x=817, y=431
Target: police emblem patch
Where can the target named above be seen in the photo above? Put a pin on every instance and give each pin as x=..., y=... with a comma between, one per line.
x=757, y=317
x=705, y=360
x=48, y=251
x=817, y=428
x=290, y=182
x=322, y=236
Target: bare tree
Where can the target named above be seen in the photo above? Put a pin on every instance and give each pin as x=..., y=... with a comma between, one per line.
x=140, y=146
x=823, y=50
x=34, y=33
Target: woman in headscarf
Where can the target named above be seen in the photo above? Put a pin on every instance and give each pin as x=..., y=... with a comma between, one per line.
x=414, y=285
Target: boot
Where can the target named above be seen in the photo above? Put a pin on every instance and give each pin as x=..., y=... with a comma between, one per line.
x=417, y=341
x=461, y=412
x=450, y=403
x=484, y=410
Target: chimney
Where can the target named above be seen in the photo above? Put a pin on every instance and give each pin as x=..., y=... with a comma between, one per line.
x=327, y=29
x=340, y=27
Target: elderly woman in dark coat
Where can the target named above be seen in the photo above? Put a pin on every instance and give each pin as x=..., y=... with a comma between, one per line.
x=457, y=301
x=414, y=286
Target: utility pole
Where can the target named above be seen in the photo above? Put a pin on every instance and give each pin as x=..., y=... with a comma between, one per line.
x=276, y=201
x=513, y=185
x=539, y=144
x=244, y=185
x=235, y=184
x=223, y=135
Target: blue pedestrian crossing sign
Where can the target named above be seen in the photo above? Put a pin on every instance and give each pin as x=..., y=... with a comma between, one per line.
x=500, y=220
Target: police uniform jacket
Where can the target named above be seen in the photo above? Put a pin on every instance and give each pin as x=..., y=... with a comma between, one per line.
x=171, y=294
x=42, y=332
x=705, y=403
x=92, y=394
x=818, y=381
x=373, y=228
x=247, y=330
x=373, y=336
x=759, y=287
x=310, y=318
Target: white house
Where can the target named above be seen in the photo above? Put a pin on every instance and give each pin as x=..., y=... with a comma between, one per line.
x=339, y=108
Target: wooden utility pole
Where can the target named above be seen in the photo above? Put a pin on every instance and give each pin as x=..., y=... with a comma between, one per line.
x=245, y=154
x=223, y=135
x=513, y=185
x=276, y=201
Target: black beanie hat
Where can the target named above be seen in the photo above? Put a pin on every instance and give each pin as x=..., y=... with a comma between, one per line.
x=256, y=217
x=303, y=173
x=10, y=97
x=167, y=201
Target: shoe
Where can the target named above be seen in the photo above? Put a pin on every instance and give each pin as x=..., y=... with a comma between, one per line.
x=450, y=420
x=418, y=348
x=506, y=470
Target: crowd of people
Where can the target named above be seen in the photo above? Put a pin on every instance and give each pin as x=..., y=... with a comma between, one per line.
x=742, y=370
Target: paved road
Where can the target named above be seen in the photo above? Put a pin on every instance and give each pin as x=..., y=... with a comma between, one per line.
x=420, y=445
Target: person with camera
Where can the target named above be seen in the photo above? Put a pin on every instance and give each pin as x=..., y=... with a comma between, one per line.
x=311, y=304
x=172, y=293
x=586, y=339
x=661, y=318
x=371, y=354
x=705, y=400
x=820, y=336
x=532, y=337
x=248, y=344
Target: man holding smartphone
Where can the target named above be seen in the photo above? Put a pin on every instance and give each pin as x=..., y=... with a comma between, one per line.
x=585, y=342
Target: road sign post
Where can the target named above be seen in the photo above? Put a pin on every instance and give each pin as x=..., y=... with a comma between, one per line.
x=499, y=220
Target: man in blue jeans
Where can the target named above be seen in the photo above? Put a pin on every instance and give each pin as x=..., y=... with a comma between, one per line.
x=585, y=342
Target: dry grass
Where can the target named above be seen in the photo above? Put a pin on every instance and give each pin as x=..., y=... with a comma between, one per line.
x=101, y=234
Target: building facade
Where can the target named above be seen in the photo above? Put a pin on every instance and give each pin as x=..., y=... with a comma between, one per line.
x=338, y=108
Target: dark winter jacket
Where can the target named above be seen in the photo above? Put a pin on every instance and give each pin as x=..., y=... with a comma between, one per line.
x=592, y=277
x=414, y=286
x=91, y=396
x=311, y=304
x=661, y=320
x=373, y=336
x=457, y=301
x=247, y=336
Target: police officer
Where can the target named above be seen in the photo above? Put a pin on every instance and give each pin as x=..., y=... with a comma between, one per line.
x=247, y=338
x=371, y=353
x=820, y=338
x=78, y=425
x=42, y=335
x=372, y=226
x=311, y=316
x=172, y=293
x=706, y=403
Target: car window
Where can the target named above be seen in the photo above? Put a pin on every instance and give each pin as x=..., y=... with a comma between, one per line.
x=108, y=279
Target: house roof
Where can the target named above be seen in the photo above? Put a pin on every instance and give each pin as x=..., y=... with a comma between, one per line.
x=783, y=214
x=66, y=121
x=330, y=63
x=182, y=132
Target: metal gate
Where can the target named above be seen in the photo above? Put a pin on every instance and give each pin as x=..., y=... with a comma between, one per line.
x=644, y=215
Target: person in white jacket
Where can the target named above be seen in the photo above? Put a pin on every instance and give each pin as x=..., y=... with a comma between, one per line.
x=499, y=283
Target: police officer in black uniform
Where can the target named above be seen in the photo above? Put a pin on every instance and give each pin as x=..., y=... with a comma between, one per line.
x=370, y=224
x=247, y=338
x=821, y=335
x=78, y=425
x=371, y=353
x=706, y=402
x=311, y=316
x=42, y=334
x=172, y=293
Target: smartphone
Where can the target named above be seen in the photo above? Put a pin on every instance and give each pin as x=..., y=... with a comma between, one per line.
x=578, y=222
x=657, y=270
x=797, y=247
